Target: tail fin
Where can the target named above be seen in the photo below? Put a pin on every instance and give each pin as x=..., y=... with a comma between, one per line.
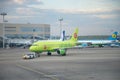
x=75, y=35
x=62, y=38
x=113, y=36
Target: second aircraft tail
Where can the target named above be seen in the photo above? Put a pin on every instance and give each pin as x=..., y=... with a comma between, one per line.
x=113, y=36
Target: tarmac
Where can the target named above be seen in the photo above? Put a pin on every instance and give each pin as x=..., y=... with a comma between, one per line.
x=78, y=64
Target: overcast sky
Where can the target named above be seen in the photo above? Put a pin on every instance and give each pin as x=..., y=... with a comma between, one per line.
x=93, y=17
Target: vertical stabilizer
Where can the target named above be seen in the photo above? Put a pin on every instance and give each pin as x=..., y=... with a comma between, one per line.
x=75, y=35
x=62, y=38
x=113, y=36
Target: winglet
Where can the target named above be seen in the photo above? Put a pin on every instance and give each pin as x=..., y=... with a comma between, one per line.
x=74, y=35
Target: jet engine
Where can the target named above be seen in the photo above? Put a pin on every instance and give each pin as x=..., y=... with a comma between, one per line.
x=61, y=52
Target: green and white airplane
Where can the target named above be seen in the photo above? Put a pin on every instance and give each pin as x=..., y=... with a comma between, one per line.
x=55, y=46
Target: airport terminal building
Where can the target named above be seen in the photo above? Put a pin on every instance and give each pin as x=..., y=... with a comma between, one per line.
x=12, y=30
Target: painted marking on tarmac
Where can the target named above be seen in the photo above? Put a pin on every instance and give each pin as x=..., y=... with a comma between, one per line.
x=38, y=72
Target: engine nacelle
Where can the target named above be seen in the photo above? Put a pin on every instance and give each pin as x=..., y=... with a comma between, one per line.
x=61, y=52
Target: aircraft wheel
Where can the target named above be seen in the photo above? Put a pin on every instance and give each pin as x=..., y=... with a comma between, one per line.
x=38, y=55
x=49, y=53
x=64, y=54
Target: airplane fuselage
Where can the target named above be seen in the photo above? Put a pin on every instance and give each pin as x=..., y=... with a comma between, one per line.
x=96, y=41
x=43, y=46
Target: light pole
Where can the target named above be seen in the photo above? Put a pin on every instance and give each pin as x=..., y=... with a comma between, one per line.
x=3, y=14
x=61, y=19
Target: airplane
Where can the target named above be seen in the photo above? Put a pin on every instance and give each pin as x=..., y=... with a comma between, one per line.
x=63, y=36
x=55, y=46
x=27, y=42
x=101, y=43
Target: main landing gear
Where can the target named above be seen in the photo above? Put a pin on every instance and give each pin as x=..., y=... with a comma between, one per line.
x=49, y=53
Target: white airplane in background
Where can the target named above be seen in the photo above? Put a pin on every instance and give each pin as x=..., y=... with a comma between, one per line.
x=101, y=43
x=30, y=41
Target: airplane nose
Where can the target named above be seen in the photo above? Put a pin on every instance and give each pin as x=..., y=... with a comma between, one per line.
x=31, y=48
